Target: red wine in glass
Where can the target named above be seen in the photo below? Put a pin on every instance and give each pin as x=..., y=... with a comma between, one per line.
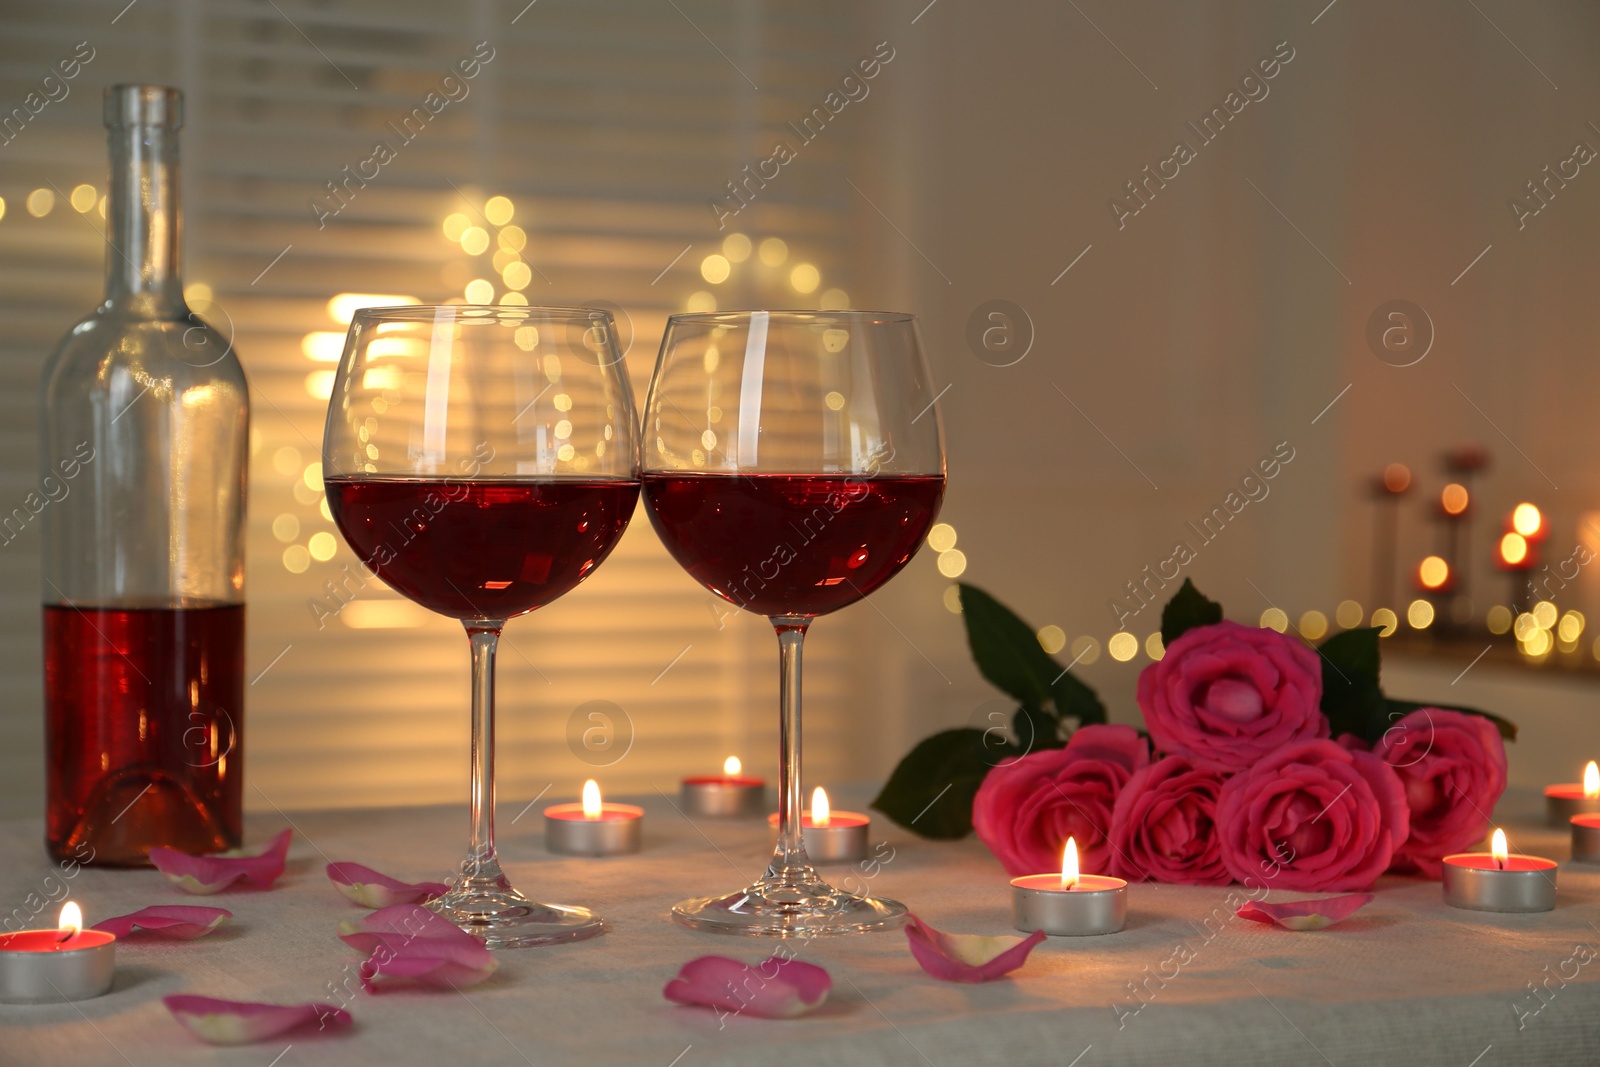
x=792, y=544
x=159, y=694
x=490, y=548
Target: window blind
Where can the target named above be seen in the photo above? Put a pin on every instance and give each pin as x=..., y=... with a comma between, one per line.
x=611, y=130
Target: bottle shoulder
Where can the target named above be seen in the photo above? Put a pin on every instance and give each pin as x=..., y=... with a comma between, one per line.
x=179, y=352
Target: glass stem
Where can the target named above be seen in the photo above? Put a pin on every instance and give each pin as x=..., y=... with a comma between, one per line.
x=791, y=848
x=481, y=862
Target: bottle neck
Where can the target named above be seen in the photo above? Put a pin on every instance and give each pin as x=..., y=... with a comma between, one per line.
x=143, y=268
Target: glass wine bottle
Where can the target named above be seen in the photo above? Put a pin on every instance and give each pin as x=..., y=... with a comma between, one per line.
x=145, y=419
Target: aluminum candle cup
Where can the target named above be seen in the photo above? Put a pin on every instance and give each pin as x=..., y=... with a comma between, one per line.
x=842, y=839
x=1477, y=882
x=724, y=797
x=614, y=832
x=1562, y=802
x=1094, y=905
x=1586, y=838
x=49, y=966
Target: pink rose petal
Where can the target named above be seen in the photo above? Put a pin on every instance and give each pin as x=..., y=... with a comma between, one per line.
x=1307, y=914
x=410, y=945
x=203, y=875
x=424, y=961
x=371, y=889
x=775, y=988
x=234, y=1022
x=401, y=922
x=182, y=921
x=967, y=957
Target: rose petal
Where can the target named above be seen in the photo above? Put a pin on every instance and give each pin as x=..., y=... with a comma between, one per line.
x=371, y=889
x=776, y=988
x=203, y=875
x=399, y=923
x=234, y=1022
x=967, y=957
x=1307, y=914
x=408, y=944
x=427, y=961
x=182, y=921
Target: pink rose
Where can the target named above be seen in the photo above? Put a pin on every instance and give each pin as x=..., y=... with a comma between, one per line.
x=1226, y=695
x=1453, y=768
x=1026, y=809
x=1313, y=816
x=1164, y=825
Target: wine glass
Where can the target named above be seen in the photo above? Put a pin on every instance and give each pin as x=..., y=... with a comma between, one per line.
x=794, y=463
x=483, y=461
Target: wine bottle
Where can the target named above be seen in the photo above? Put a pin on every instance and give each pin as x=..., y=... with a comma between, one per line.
x=145, y=424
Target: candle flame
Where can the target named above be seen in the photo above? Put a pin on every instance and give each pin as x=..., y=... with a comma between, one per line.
x=71, y=921
x=1069, y=864
x=591, y=799
x=1499, y=849
x=1591, y=780
x=731, y=766
x=820, y=812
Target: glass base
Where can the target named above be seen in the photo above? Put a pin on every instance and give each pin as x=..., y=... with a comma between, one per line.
x=489, y=908
x=793, y=903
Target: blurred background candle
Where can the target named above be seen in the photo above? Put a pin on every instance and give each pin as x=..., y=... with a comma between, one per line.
x=1586, y=838
x=1564, y=801
x=1499, y=880
x=592, y=828
x=726, y=795
x=1069, y=904
x=67, y=963
x=831, y=836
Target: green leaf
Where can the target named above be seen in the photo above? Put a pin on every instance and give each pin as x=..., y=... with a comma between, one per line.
x=1035, y=730
x=1187, y=609
x=1008, y=654
x=1353, y=652
x=1398, y=709
x=1075, y=700
x=930, y=792
x=1351, y=697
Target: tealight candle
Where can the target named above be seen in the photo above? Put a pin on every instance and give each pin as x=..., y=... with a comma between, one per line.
x=68, y=963
x=831, y=836
x=730, y=794
x=1562, y=802
x=590, y=828
x=1499, y=880
x=1069, y=904
x=1586, y=838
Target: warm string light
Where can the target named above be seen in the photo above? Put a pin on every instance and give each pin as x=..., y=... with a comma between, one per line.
x=719, y=268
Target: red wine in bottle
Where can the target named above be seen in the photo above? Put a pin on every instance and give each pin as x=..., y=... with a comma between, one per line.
x=144, y=427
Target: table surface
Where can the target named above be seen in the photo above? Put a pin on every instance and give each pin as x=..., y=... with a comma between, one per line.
x=1406, y=981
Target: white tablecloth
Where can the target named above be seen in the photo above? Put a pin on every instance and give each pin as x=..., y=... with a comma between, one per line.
x=1408, y=981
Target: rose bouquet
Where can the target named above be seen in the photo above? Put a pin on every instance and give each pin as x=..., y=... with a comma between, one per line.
x=1264, y=757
